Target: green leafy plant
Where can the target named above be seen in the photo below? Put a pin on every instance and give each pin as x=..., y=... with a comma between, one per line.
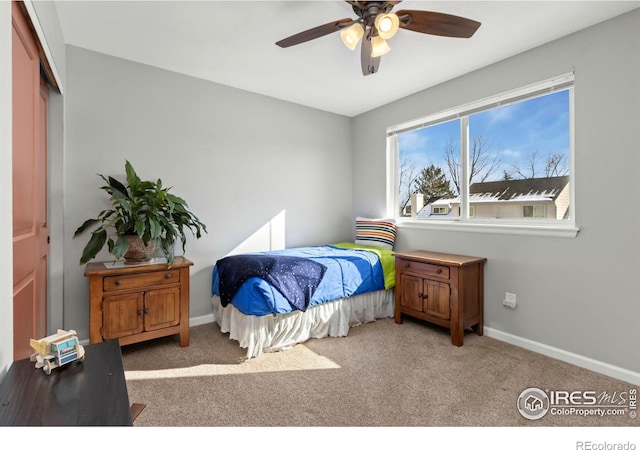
x=142, y=208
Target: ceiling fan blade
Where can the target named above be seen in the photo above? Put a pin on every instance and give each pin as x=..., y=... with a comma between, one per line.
x=314, y=33
x=369, y=65
x=436, y=23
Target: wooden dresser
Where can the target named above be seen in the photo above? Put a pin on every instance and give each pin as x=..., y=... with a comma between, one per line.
x=441, y=288
x=138, y=302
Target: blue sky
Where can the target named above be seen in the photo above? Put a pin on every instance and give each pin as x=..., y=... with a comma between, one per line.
x=512, y=134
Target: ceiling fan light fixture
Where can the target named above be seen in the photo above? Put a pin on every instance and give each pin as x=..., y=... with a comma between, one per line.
x=379, y=47
x=352, y=35
x=387, y=25
x=375, y=24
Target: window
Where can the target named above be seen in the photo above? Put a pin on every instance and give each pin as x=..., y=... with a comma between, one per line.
x=506, y=160
x=534, y=211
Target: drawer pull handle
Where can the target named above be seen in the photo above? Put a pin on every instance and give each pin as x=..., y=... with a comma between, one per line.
x=118, y=282
x=439, y=271
x=407, y=265
x=168, y=276
x=145, y=312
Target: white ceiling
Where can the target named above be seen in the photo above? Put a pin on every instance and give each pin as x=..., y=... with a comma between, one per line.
x=233, y=43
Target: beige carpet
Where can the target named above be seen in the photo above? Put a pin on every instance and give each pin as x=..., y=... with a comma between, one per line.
x=381, y=375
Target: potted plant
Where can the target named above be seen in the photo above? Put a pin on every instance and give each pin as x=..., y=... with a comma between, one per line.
x=143, y=214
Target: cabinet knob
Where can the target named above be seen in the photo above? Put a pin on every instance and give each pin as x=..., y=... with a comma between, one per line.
x=118, y=282
x=407, y=265
x=167, y=276
x=439, y=271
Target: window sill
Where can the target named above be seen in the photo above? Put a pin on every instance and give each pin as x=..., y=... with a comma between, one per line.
x=522, y=229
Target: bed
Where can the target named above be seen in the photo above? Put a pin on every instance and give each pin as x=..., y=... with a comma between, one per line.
x=270, y=301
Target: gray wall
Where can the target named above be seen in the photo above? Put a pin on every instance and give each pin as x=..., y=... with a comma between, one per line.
x=578, y=295
x=53, y=40
x=238, y=159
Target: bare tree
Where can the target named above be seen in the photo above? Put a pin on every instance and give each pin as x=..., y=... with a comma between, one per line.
x=482, y=164
x=452, y=156
x=407, y=178
x=529, y=168
x=555, y=165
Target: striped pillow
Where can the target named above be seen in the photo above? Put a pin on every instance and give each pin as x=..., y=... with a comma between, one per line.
x=376, y=232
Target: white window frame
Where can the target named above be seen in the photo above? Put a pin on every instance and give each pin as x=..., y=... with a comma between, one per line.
x=442, y=210
x=466, y=222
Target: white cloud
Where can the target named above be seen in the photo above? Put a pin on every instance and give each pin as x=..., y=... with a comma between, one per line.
x=499, y=114
x=511, y=153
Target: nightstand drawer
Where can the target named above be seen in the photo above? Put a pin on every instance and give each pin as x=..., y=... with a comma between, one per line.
x=425, y=269
x=121, y=282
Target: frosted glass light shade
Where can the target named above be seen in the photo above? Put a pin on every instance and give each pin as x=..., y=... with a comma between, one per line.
x=352, y=35
x=379, y=47
x=387, y=25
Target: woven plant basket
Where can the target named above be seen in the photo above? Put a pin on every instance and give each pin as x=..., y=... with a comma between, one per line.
x=137, y=251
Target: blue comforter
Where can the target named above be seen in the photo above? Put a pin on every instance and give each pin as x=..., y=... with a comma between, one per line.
x=349, y=271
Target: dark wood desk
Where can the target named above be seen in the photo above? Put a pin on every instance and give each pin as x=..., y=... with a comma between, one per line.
x=89, y=393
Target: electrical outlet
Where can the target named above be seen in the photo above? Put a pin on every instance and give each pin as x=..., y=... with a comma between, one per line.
x=509, y=300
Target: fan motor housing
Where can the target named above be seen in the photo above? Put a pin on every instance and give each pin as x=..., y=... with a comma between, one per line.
x=367, y=11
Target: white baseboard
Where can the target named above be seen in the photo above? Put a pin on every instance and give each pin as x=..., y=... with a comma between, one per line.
x=568, y=357
x=201, y=320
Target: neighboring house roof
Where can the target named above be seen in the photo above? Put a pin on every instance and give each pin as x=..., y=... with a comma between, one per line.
x=425, y=212
x=527, y=190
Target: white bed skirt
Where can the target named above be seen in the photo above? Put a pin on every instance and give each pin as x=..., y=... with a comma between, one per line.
x=262, y=334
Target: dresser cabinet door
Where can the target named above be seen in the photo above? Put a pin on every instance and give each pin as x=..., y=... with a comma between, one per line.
x=437, y=299
x=162, y=308
x=411, y=292
x=122, y=315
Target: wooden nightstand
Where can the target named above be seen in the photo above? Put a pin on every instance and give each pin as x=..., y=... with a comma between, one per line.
x=441, y=288
x=138, y=302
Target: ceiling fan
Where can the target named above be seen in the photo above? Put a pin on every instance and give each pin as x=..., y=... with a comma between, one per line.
x=376, y=24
